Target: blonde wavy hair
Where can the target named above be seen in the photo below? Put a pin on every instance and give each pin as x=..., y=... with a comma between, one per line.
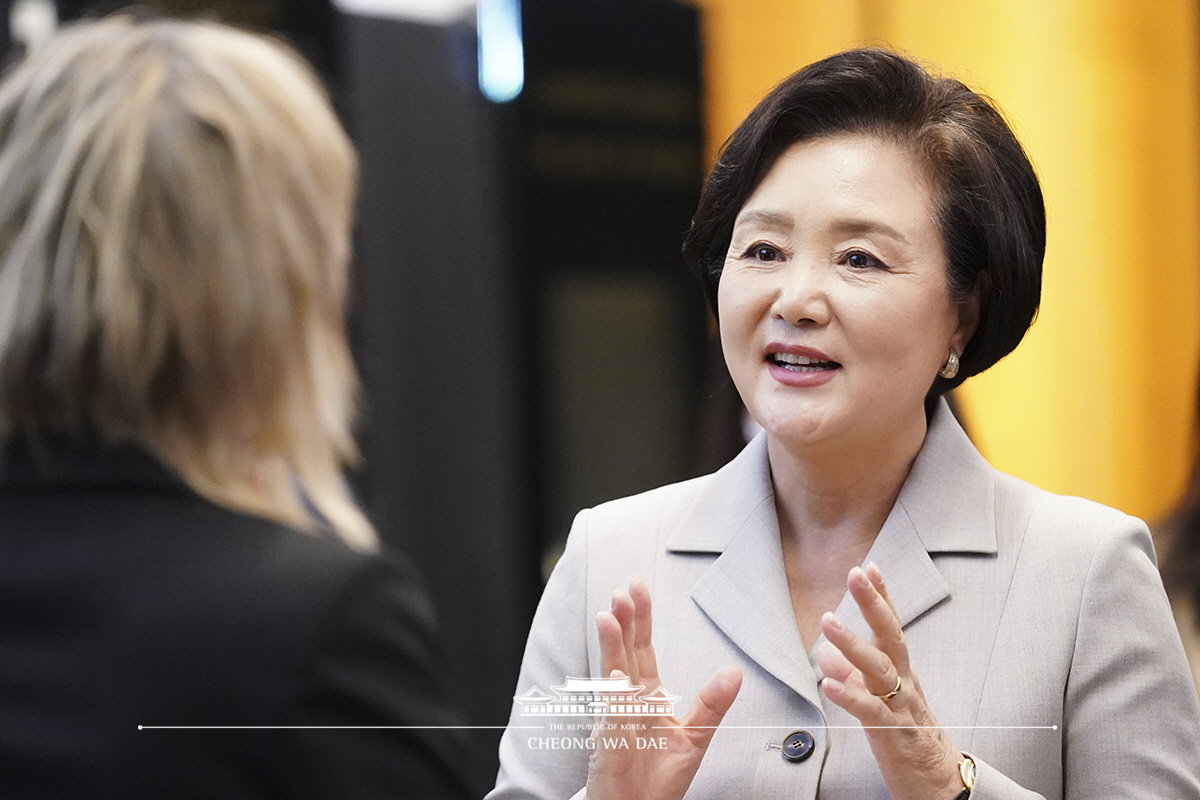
x=175, y=214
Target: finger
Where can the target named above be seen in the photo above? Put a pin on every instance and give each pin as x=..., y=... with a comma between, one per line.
x=875, y=574
x=643, y=646
x=878, y=672
x=711, y=704
x=869, y=598
x=880, y=616
x=623, y=609
x=606, y=723
x=856, y=701
x=876, y=577
x=612, y=644
x=833, y=664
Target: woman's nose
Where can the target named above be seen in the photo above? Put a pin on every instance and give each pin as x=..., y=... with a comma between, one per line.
x=802, y=296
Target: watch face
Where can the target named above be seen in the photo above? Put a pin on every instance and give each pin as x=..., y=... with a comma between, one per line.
x=966, y=769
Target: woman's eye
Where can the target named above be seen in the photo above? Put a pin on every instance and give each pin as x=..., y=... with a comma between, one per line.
x=764, y=252
x=857, y=259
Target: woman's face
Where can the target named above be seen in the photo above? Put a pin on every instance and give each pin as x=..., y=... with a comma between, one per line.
x=834, y=308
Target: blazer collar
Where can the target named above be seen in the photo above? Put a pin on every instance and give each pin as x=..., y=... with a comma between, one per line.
x=54, y=461
x=948, y=497
x=730, y=501
x=950, y=494
x=945, y=505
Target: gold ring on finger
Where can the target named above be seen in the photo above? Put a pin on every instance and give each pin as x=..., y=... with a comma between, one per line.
x=891, y=694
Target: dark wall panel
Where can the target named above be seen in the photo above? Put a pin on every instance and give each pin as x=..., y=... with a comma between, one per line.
x=434, y=329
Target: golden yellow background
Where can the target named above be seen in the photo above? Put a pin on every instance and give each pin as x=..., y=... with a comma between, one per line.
x=1098, y=400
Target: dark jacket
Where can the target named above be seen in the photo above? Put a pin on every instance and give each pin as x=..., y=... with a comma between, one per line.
x=126, y=600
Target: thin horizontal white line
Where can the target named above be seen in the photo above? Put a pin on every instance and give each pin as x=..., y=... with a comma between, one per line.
x=543, y=727
x=334, y=727
x=870, y=727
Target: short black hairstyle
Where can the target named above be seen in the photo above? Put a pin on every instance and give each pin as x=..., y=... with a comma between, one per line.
x=989, y=205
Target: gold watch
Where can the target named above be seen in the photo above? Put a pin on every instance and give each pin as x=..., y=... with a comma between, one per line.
x=966, y=771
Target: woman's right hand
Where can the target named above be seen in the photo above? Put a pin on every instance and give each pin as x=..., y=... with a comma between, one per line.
x=662, y=764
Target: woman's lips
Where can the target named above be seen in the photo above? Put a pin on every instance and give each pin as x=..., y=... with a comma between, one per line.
x=796, y=365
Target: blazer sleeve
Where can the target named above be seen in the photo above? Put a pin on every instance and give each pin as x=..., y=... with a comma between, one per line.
x=1130, y=716
x=376, y=667
x=536, y=762
x=1132, y=725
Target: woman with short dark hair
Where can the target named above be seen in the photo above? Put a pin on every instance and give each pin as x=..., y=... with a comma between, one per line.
x=988, y=205
x=858, y=605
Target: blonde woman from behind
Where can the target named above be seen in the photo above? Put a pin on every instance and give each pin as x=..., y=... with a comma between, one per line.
x=176, y=399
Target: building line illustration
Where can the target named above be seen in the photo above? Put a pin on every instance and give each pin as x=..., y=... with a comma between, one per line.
x=595, y=696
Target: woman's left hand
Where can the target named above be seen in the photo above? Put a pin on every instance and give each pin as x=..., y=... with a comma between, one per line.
x=915, y=756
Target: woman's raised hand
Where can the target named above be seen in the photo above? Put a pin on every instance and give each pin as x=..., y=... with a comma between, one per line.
x=660, y=754
x=874, y=682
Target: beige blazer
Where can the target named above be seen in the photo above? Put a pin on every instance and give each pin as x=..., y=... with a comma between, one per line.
x=1037, y=624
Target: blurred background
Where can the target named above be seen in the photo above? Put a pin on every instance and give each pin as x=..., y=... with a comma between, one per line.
x=530, y=342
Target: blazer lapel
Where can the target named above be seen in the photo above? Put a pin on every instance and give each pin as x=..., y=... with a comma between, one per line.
x=913, y=581
x=950, y=494
x=947, y=504
x=744, y=592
